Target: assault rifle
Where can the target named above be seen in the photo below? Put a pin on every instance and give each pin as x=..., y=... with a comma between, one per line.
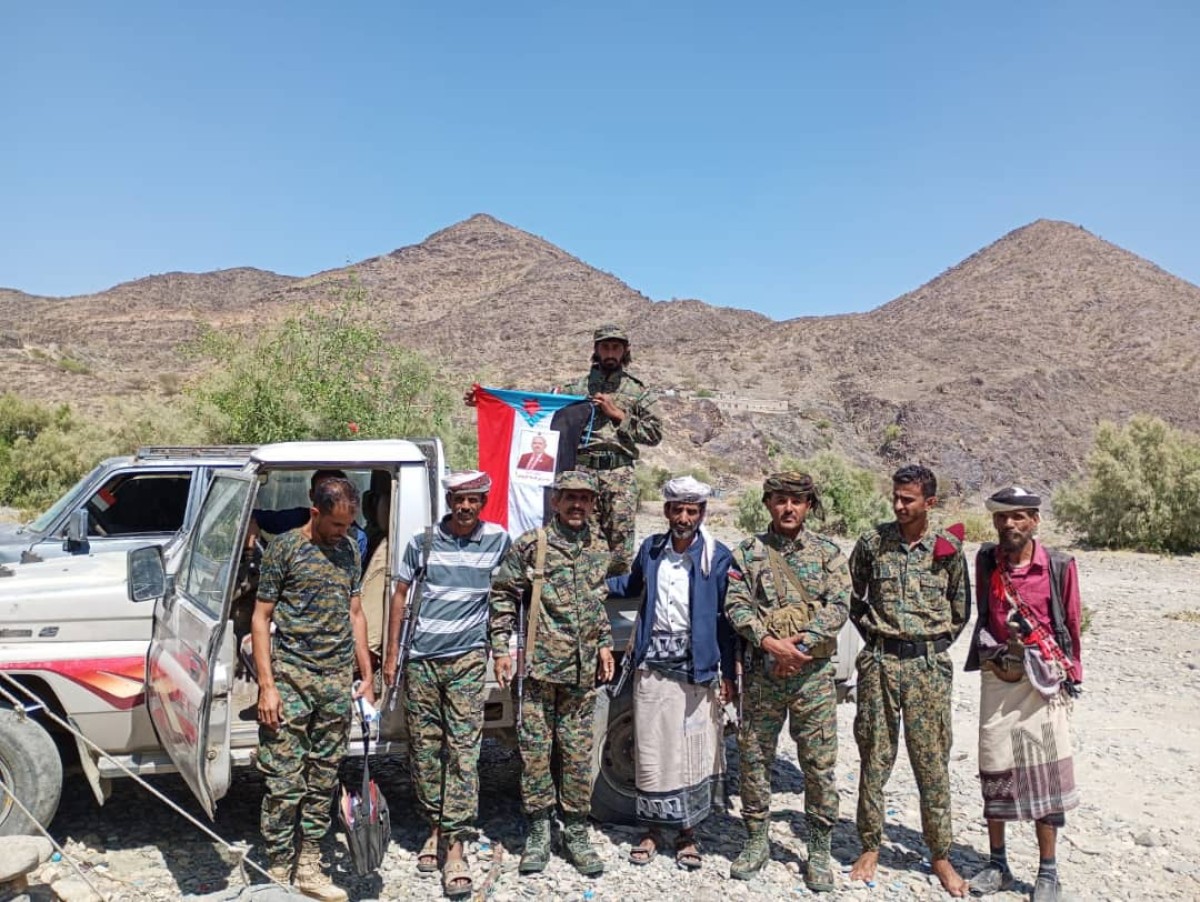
x=520, y=664
x=408, y=629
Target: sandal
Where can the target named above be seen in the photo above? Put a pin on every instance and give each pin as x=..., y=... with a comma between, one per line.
x=646, y=849
x=456, y=879
x=687, y=852
x=427, y=858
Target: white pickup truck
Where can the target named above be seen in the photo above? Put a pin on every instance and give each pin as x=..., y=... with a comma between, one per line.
x=139, y=651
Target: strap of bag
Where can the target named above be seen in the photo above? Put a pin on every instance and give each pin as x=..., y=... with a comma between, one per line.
x=778, y=563
x=535, y=594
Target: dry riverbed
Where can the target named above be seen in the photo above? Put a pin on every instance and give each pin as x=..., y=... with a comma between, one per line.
x=1136, y=836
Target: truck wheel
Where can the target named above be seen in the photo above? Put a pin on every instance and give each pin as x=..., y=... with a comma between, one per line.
x=31, y=769
x=614, y=797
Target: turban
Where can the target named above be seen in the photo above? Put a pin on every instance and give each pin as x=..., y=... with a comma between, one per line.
x=686, y=489
x=575, y=479
x=1013, y=498
x=467, y=482
x=790, y=483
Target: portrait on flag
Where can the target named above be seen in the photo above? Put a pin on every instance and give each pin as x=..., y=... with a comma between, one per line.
x=539, y=448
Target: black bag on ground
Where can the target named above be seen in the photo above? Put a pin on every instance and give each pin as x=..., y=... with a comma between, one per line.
x=364, y=816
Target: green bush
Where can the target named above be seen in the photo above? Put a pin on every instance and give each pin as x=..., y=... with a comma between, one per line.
x=752, y=516
x=36, y=471
x=853, y=498
x=650, y=481
x=1141, y=490
x=327, y=375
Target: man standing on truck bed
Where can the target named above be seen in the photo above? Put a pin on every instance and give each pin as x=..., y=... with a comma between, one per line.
x=309, y=588
x=788, y=596
x=911, y=600
x=445, y=665
x=559, y=571
x=624, y=419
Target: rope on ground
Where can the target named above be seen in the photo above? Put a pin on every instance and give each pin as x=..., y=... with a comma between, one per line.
x=53, y=842
x=239, y=851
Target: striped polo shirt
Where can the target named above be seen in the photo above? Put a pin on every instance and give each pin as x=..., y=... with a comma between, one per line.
x=454, y=607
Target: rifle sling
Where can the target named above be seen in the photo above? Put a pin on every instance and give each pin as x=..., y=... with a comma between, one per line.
x=417, y=593
x=535, y=596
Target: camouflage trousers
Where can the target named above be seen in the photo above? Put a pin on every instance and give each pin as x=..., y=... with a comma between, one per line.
x=917, y=691
x=443, y=708
x=557, y=714
x=809, y=700
x=615, y=513
x=300, y=760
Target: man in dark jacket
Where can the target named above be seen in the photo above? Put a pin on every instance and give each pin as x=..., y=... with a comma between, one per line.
x=682, y=667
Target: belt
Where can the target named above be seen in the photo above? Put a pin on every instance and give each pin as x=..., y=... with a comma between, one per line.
x=603, y=460
x=911, y=648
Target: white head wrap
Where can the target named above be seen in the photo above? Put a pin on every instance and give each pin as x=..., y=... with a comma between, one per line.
x=686, y=489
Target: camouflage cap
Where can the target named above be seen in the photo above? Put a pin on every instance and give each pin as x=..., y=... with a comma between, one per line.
x=610, y=331
x=575, y=479
x=790, y=482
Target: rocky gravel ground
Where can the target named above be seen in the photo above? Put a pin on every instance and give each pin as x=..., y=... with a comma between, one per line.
x=1135, y=837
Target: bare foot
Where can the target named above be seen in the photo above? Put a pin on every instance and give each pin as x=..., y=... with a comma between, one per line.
x=864, y=868
x=951, y=881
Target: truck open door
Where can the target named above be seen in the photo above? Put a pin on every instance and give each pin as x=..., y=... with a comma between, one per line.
x=189, y=667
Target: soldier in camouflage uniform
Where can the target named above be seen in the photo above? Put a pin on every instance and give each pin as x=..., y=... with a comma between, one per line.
x=309, y=588
x=911, y=601
x=787, y=598
x=571, y=647
x=445, y=668
x=624, y=419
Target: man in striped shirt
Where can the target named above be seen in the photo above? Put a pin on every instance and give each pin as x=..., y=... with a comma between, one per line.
x=447, y=662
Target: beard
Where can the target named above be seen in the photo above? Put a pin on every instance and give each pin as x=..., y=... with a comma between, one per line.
x=685, y=532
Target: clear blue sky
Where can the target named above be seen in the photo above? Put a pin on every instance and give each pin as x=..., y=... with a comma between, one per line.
x=790, y=157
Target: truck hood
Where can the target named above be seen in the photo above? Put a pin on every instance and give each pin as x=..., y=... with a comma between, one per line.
x=12, y=541
x=70, y=600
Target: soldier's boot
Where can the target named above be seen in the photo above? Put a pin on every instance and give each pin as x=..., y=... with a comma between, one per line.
x=314, y=882
x=755, y=853
x=537, y=845
x=818, y=874
x=578, y=846
x=280, y=871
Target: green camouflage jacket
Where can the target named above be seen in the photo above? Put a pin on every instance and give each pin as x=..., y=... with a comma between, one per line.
x=573, y=625
x=311, y=586
x=641, y=425
x=754, y=590
x=908, y=593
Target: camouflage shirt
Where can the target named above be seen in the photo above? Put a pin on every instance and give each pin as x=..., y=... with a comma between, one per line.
x=903, y=592
x=640, y=426
x=754, y=590
x=573, y=625
x=311, y=586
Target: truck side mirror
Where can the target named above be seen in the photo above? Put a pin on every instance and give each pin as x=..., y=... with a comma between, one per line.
x=77, y=532
x=147, y=575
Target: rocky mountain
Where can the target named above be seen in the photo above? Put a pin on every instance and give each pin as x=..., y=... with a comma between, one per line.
x=999, y=369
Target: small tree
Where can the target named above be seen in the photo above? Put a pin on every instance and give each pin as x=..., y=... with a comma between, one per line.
x=852, y=497
x=326, y=375
x=1141, y=489
x=752, y=516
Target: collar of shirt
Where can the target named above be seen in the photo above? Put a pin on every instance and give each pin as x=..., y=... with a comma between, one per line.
x=475, y=535
x=924, y=543
x=783, y=543
x=567, y=537
x=1039, y=561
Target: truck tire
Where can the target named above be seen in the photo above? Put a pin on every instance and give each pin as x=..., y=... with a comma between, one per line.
x=614, y=796
x=31, y=769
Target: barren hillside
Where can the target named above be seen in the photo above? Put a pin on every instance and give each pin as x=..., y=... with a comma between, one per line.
x=997, y=369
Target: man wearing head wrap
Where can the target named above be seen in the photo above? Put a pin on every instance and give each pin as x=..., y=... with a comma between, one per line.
x=1026, y=644
x=912, y=599
x=624, y=419
x=568, y=647
x=446, y=667
x=683, y=672
x=788, y=595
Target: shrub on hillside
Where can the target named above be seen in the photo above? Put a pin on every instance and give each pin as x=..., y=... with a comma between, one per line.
x=752, y=516
x=327, y=375
x=1141, y=489
x=853, y=498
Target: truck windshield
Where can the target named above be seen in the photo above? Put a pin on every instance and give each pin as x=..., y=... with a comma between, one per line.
x=69, y=500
